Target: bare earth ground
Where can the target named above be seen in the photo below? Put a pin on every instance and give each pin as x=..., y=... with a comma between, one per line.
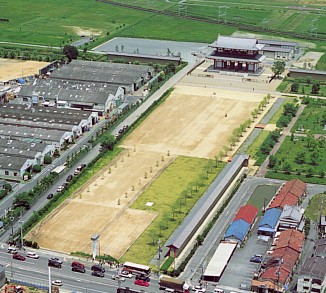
x=12, y=69
x=94, y=209
x=190, y=122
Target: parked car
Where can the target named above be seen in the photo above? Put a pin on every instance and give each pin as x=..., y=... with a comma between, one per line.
x=76, y=172
x=256, y=259
x=65, y=184
x=199, y=289
x=18, y=256
x=97, y=274
x=78, y=269
x=50, y=195
x=217, y=290
x=118, y=278
x=57, y=283
x=69, y=178
x=98, y=268
x=12, y=250
x=32, y=255
x=141, y=283
x=60, y=188
x=126, y=274
x=77, y=264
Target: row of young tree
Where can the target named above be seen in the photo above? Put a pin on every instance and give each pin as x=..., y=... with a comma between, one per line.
x=315, y=87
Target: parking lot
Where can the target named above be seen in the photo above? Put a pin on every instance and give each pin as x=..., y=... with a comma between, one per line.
x=240, y=270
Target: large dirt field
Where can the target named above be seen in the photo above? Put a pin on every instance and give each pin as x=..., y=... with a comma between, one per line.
x=12, y=69
x=94, y=209
x=190, y=122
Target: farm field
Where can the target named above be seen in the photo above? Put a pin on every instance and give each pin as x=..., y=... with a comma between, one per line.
x=51, y=23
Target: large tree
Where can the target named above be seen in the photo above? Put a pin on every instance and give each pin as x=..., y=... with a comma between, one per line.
x=278, y=67
x=70, y=52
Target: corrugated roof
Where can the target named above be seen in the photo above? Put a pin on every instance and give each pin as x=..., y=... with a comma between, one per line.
x=291, y=238
x=276, y=49
x=288, y=255
x=277, y=43
x=270, y=218
x=277, y=274
x=247, y=212
x=205, y=203
x=220, y=259
x=238, y=229
x=291, y=212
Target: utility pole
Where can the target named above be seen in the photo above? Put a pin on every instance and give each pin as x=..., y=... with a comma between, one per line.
x=21, y=234
x=159, y=256
x=49, y=270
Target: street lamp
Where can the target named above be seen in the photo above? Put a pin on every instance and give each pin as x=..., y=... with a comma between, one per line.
x=159, y=256
x=12, y=218
x=21, y=234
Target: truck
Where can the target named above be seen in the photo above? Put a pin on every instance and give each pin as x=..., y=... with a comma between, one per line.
x=174, y=285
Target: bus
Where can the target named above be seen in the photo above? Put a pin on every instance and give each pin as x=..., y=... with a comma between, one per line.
x=137, y=268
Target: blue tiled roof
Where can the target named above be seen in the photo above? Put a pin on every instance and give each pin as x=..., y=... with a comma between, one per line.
x=270, y=218
x=238, y=229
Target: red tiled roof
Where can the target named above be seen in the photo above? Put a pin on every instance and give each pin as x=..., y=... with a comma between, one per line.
x=289, y=193
x=288, y=255
x=290, y=238
x=283, y=199
x=276, y=273
x=247, y=213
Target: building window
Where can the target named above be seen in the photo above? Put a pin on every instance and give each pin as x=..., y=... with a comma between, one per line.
x=15, y=174
x=305, y=288
x=315, y=290
x=306, y=280
x=6, y=172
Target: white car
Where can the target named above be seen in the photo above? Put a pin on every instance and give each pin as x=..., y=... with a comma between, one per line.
x=126, y=274
x=57, y=283
x=199, y=289
x=32, y=255
x=118, y=278
x=60, y=188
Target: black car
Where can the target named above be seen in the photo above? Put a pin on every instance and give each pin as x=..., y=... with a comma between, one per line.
x=69, y=178
x=50, y=195
x=54, y=263
x=56, y=259
x=78, y=269
x=142, y=277
x=97, y=274
x=98, y=268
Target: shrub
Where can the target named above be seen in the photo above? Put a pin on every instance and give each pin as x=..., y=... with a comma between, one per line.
x=47, y=159
x=8, y=187
x=37, y=168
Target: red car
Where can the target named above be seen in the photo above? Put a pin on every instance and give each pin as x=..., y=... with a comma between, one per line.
x=18, y=256
x=77, y=264
x=141, y=283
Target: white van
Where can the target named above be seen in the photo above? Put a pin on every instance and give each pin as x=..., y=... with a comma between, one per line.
x=216, y=290
x=12, y=250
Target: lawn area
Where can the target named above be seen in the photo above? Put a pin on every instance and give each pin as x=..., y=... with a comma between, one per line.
x=262, y=196
x=304, y=158
x=177, y=29
x=321, y=64
x=253, y=150
x=312, y=120
x=317, y=206
x=174, y=193
x=279, y=112
x=52, y=23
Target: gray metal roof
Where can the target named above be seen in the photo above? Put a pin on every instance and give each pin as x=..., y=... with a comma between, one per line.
x=37, y=124
x=307, y=71
x=314, y=267
x=22, y=145
x=124, y=54
x=277, y=49
x=27, y=132
x=277, y=43
x=111, y=73
x=31, y=154
x=12, y=162
x=44, y=114
x=291, y=212
x=203, y=205
x=236, y=43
